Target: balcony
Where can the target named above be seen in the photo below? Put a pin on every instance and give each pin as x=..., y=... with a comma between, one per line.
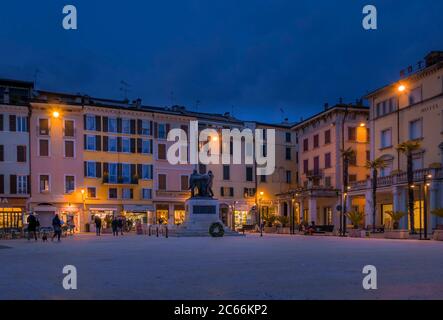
x=120, y=181
x=316, y=173
x=172, y=194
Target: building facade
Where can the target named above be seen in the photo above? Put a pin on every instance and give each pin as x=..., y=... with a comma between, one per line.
x=14, y=152
x=410, y=109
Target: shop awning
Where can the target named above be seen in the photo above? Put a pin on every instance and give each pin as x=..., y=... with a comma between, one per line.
x=138, y=208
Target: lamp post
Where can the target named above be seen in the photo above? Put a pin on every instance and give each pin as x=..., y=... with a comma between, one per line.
x=259, y=213
x=426, y=184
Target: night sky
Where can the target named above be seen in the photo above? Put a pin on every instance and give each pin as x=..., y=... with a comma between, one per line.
x=263, y=60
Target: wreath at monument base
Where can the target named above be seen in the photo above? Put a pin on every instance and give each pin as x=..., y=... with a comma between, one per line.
x=216, y=230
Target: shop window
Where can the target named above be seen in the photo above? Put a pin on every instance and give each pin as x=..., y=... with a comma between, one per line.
x=179, y=214
x=11, y=218
x=162, y=213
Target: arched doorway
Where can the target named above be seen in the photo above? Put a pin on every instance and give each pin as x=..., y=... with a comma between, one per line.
x=224, y=213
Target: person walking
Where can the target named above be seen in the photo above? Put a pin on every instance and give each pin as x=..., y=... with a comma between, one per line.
x=57, y=226
x=32, y=226
x=98, y=225
x=120, y=225
x=114, y=225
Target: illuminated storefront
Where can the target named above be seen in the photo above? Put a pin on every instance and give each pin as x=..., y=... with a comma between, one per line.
x=179, y=214
x=162, y=213
x=11, y=218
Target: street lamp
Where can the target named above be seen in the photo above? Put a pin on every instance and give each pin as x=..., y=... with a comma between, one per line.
x=426, y=184
x=401, y=88
x=55, y=114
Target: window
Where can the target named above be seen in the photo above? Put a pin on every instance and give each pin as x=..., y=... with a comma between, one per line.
x=21, y=153
x=43, y=147
x=305, y=145
x=2, y=152
x=288, y=153
x=328, y=181
x=91, y=169
x=328, y=160
x=69, y=149
x=146, y=128
x=368, y=155
x=161, y=182
x=126, y=173
x=328, y=136
x=112, y=125
x=415, y=96
x=288, y=137
x=22, y=184
x=288, y=177
x=162, y=134
x=127, y=193
x=305, y=166
x=352, y=133
x=146, y=171
x=226, y=172
x=386, y=139
x=316, y=165
x=126, y=126
x=44, y=183
x=184, y=183
x=147, y=146
x=316, y=141
x=90, y=123
x=22, y=124
x=249, y=174
x=90, y=143
x=112, y=144
x=161, y=151
x=69, y=128
x=112, y=173
x=112, y=193
x=353, y=159
x=92, y=192
x=249, y=192
x=69, y=184
x=43, y=127
x=126, y=145
x=417, y=162
x=415, y=129
x=227, y=192
x=263, y=179
x=146, y=194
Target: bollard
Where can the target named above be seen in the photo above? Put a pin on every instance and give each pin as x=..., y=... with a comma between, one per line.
x=157, y=232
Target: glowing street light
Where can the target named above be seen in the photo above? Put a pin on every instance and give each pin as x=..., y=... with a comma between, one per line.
x=55, y=114
x=401, y=88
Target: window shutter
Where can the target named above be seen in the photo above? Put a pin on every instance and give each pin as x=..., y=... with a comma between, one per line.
x=139, y=171
x=13, y=184
x=222, y=191
x=150, y=146
x=2, y=184
x=105, y=168
x=119, y=144
x=231, y=192
x=2, y=153
x=168, y=128
x=1, y=122
x=85, y=143
x=119, y=125
x=132, y=126
x=105, y=143
x=151, y=171
x=85, y=168
x=151, y=127
x=105, y=124
x=119, y=172
x=98, y=123
x=139, y=126
x=98, y=169
x=12, y=123
x=133, y=173
x=98, y=143
x=132, y=145
x=139, y=145
x=155, y=130
x=84, y=121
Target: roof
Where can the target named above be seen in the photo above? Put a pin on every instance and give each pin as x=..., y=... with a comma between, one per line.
x=17, y=83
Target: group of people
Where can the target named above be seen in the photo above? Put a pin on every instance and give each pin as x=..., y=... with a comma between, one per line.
x=117, y=225
x=34, y=224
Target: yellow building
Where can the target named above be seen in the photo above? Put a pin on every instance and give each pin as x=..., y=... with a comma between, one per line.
x=410, y=109
x=118, y=161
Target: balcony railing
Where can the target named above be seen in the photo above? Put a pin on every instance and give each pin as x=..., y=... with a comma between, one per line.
x=397, y=179
x=172, y=194
x=314, y=173
x=120, y=180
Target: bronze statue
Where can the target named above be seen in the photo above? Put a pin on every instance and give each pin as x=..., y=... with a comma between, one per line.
x=203, y=183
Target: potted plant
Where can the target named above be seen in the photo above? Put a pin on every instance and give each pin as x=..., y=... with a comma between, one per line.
x=269, y=221
x=283, y=222
x=356, y=219
x=438, y=232
x=396, y=232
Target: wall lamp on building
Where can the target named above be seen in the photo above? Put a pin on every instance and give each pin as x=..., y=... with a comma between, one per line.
x=55, y=114
x=401, y=88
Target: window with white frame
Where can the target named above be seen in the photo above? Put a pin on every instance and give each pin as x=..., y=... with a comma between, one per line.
x=386, y=138
x=22, y=124
x=69, y=184
x=162, y=131
x=112, y=125
x=44, y=183
x=415, y=96
x=90, y=122
x=92, y=192
x=126, y=145
x=112, y=144
x=91, y=169
x=91, y=143
x=146, y=172
x=417, y=162
x=126, y=126
x=146, y=194
x=127, y=193
x=146, y=128
x=146, y=146
x=22, y=185
x=415, y=129
x=126, y=172
x=112, y=168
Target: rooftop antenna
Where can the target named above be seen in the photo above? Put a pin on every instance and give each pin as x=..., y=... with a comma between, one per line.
x=36, y=72
x=124, y=88
x=282, y=113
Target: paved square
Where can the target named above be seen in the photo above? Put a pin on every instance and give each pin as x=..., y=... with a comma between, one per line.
x=273, y=267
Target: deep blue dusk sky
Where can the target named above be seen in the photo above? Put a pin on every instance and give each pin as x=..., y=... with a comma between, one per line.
x=251, y=56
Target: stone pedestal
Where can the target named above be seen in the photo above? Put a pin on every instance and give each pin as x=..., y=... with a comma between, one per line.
x=201, y=213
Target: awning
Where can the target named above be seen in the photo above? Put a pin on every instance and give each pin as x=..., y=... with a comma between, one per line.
x=138, y=208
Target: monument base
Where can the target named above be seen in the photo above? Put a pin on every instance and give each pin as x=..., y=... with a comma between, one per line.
x=201, y=213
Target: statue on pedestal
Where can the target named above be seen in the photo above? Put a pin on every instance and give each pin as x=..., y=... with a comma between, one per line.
x=203, y=183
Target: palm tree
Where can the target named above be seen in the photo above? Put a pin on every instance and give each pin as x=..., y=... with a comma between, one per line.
x=375, y=165
x=347, y=155
x=408, y=148
x=356, y=218
x=396, y=217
